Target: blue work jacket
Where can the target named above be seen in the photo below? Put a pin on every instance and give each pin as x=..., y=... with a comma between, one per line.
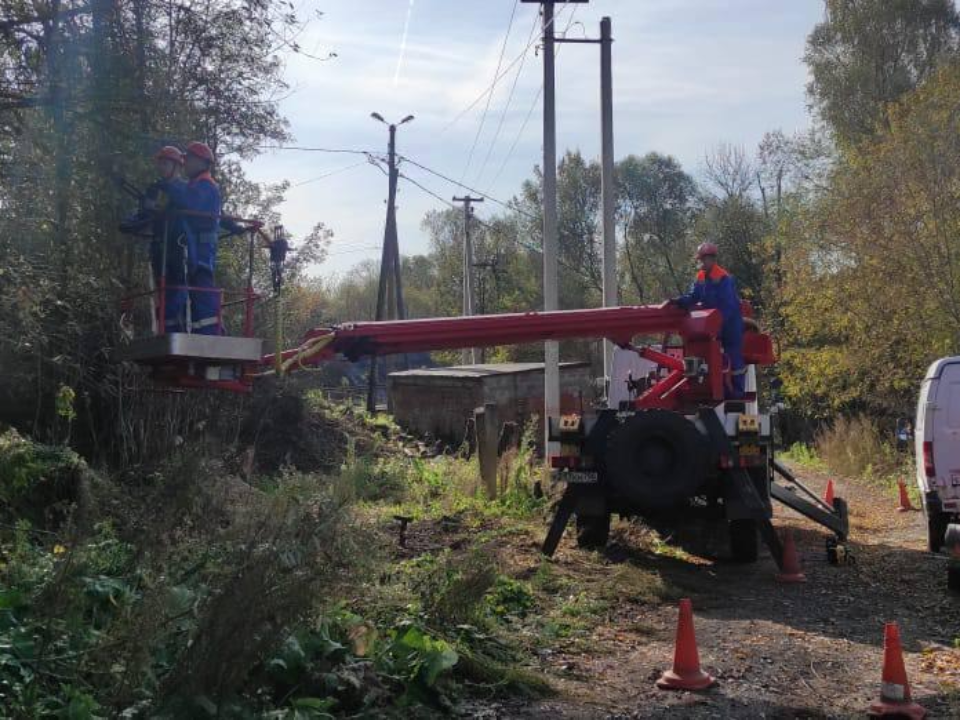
x=200, y=195
x=717, y=291
x=200, y=198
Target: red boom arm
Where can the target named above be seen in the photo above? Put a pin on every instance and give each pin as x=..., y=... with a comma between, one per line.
x=698, y=329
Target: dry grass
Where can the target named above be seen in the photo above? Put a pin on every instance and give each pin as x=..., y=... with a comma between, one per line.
x=855, y=447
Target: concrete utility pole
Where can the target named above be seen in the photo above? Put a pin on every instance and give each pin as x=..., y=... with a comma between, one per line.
x=390, y=305
x=469, y=355
x=551, y=349
x=608, y=189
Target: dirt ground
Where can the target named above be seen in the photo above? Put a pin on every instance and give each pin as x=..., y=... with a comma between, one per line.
x=778, y=651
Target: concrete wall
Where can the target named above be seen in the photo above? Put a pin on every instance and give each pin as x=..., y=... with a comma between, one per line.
x=439, y=401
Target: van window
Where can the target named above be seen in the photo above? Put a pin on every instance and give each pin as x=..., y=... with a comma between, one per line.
x=953, y=412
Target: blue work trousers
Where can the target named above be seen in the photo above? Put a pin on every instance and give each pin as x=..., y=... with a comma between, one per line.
x=175, y=302
x=733, y=349
x=205, y=298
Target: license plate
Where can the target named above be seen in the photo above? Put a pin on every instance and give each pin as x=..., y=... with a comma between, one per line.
x=750, y=450
x=577, y=477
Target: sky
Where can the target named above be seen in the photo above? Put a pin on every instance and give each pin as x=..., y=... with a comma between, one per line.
x=687, y=76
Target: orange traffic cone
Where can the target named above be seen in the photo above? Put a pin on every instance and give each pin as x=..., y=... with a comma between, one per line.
x=828, y=494
x=895, y=698
x=791, y=571
x=686, y=673
x=905, y=505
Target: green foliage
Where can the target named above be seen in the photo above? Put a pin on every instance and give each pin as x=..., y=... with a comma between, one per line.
x=64, y=403
x=55, y=605
x=39, y=483
x=802, y=454
x=883, y=224
x=509, y=597
x=416, y=659
x=452, y=588
x=866, y=55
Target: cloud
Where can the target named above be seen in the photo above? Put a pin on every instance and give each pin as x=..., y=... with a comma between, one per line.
x=687, y=74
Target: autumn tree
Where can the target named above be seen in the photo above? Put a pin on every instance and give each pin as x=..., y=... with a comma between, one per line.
x=873, y=276
x=868, y=53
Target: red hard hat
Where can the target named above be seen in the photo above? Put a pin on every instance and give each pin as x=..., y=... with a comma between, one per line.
x=169, y=152
x=201, y=150
x=707, y=248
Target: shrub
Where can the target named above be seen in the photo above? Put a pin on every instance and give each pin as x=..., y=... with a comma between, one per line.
x=39, y=483
x=452, y=589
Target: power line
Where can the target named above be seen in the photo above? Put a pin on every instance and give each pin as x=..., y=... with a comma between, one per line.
x=484, y=223
x=468, y=188
x=301, y=148
x=516, y=140
x=331, y=173
x=506, y=107
x=533, y=106
x=497, y=79
x=486, y=108
x=348, y=251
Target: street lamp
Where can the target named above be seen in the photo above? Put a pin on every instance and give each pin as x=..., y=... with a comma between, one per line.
x=379, y=117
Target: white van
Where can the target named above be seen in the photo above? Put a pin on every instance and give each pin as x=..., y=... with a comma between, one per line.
x=938, y=447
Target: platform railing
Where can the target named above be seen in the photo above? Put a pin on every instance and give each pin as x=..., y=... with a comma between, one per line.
x=227, y=299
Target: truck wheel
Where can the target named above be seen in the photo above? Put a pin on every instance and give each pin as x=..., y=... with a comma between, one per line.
x=744, y=542
x=657, y=459
x=936, y=530
x=593, y=531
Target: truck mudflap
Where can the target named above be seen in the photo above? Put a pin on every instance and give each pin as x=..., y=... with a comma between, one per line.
x=834, y=518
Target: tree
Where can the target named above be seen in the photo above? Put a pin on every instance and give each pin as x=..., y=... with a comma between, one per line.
x=88, y=91
x=578, y=203
x=872, y=271
x=868, y=53
x=731, y=217
x=655, y=210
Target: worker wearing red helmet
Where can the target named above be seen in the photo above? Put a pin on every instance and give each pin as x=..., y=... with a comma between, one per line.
x=167, y=231
x=716, y=288
x=199, y=203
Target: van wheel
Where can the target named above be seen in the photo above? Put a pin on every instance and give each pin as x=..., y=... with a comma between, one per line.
x=936, y=530
x=744, y=542
x=593, y=531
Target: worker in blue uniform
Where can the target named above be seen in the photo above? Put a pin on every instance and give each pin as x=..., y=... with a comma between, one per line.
x=198, y=204
x=167, y=238
x=715, y=288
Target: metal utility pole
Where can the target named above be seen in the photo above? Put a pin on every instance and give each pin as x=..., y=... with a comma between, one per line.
x=390, y=305
x=469, y=355
x=607, y=187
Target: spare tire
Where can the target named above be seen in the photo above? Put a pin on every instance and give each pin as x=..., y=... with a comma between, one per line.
x=656, y=459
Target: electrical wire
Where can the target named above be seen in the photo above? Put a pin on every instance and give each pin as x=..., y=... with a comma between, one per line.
x=516, y=140
x=301, y=148
x=506, y=107
x=533, y=105
x=486, y=107
x=349, y=251
x=515, y=240
x=486, y=196
x=331, y=173
x=499, y=77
